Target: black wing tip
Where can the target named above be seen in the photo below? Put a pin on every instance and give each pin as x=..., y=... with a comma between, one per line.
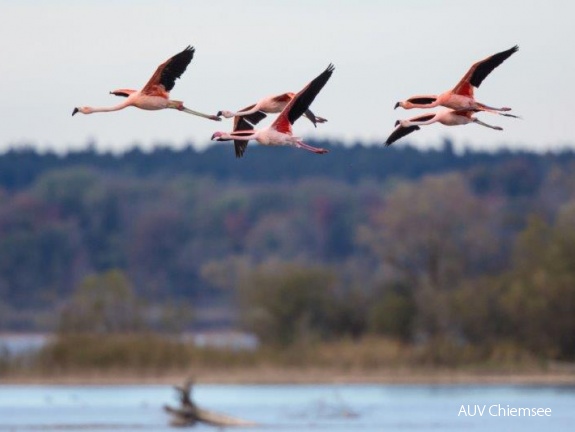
x=190, y=51
x=400, y=133
x=240, y=148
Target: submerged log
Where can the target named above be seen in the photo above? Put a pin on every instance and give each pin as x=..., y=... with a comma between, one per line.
x=188, y=414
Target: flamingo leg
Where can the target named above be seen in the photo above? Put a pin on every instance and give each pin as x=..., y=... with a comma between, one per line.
x=487, y=125
x=499, y=113
x=301, y=144
x=208, y=116
x=488, y=108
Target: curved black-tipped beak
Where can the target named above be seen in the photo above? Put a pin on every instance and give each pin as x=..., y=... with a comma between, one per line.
x=396, y=105
x=396, y=123
x=75, y=111
x=214, y=136
x=219, y=114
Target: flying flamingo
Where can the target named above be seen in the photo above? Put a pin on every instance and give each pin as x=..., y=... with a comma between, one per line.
x=269, y=105
x=446, y=117
x=280, y=131
x=461, y=96
x=155, y=94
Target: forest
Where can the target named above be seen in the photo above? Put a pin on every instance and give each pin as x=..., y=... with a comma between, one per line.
x=468, y=248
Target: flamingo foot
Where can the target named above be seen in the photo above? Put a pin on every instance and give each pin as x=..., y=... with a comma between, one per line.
x=510, y=115
x=301, y=144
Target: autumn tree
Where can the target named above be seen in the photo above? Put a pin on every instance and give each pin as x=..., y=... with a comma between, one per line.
x=430, y=235
x=103, y=303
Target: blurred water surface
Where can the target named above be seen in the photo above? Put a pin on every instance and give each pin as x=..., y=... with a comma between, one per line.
x=288, y=408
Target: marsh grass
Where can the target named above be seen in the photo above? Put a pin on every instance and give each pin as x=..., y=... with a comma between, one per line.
x=156, y=355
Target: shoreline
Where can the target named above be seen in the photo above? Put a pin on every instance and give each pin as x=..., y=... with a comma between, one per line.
x=273, y=376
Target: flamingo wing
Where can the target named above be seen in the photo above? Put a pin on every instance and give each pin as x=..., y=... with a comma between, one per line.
x=479, y=71
x=400, y=132
x=240, y=124
x=122, y=92
x=285, y=97
x=253, y=118
x=422, y=118
x=167, y=73
x=301, y=101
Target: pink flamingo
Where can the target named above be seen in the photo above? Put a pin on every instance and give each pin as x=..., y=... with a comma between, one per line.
x=461, y=96
x=280, y=131
x=446, y=117
x=269, y=105
x=155, y=94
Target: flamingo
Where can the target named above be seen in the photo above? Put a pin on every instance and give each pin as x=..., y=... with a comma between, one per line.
x=155, y=94
x=447, y=117
x=461, y=96
x=280, y=131
x=269, y=105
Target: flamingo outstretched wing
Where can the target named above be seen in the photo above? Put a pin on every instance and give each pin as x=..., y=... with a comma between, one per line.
x=479, y=71
x=167, y=73
x=400, y=132
x=302, y=100
x=240, y=124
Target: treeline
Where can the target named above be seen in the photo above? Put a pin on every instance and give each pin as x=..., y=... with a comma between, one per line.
x=515, y=172
x=428, y=247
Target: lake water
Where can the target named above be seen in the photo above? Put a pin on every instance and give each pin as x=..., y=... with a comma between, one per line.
x=287, y=408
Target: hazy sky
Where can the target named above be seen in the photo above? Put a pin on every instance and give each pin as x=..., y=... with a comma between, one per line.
x=60, y=54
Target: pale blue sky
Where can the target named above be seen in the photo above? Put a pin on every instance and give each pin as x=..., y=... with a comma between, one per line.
x=64, y=53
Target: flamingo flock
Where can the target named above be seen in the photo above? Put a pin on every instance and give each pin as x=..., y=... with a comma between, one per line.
x=459, y=102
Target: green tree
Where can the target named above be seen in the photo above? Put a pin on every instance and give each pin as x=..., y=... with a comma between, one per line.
x=539, y=295
x=393, y=311
x=287, y=303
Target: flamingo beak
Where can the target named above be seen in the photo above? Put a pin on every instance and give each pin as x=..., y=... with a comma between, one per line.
x=215, y=136
x=396, y=105
x=396, y=123
x=75, y=111
x=219, y=114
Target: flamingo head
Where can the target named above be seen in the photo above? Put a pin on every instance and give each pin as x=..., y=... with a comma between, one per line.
x=83, y=110
x=226, y=114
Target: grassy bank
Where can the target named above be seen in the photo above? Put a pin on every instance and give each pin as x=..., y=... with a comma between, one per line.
x=148, y=358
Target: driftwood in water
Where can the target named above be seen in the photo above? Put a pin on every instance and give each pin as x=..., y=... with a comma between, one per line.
x=188, y=414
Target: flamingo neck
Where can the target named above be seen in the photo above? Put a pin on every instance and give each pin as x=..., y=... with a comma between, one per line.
x=423, y=123
x=247, y=112
x=245, y=135
x=423, y=101
x=238, y=136
x=108, y=109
